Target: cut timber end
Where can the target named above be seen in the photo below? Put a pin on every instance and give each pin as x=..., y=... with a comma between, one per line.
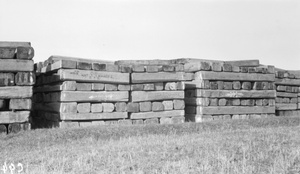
x=61, y=64
x=7, y=52
x=94, y=76
x=14, y=117
x=16, y=65
x=25, y=53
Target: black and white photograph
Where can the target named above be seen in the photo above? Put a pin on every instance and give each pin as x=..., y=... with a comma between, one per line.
x=150, y=86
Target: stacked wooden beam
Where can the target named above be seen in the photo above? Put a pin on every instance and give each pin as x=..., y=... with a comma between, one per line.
x=80, y=92
x=288, y=93
x=229, y=90
x=156, y=92
x=16, y=81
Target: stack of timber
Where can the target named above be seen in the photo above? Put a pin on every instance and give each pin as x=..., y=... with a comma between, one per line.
x=16, y=81
x=156, y=91
x=229, y=90
x=73, y=92
x=288, y=93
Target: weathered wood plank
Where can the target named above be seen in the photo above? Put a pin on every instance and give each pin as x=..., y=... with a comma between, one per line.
x=64, y=86
x=93, y=116
x=14, y=44
x=16, y=65
x=15, y=92
x=210, y=110
x=245, y=63
x=146, y=115
x=286, y=106
x=138, y=96
x=94, y=76
x=55, y=58
x=143, y=62
x=61, y=64
x=286, y=94
x=7, y=79
x=292, y=82
x=235, y=93
x=8, y=117
x=210, y=75
x=158, y=77
x=89, y=96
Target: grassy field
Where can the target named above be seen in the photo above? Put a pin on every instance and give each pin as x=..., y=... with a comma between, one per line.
x=237, y=146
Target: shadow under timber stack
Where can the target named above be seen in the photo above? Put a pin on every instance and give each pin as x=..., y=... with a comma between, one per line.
x=16, y=86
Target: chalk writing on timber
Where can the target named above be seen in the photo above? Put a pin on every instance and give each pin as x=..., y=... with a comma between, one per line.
x=92, y=74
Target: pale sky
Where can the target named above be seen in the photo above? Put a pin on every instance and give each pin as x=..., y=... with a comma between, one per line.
x=268, y=30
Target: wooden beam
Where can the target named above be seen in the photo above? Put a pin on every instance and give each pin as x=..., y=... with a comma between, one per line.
x=15, y=92
x=245, y=63
x=139, y=96
x=25, y=53
x=210, y=75
x=94, y=76
x=20, y=104
x=286, y=94
x=61, y=64
x=25, y=78
x=211, y=110
x=14, y=44
x=292, y=82
x=55, y=58
x=235, y=93
x=147, y=115
x=7, y=79
x=89, y=96
x=7, y=52
x=143, y=62
x=93, y=116
x=286, y=106
x=158, y=77
x=8, y=117
x=16, y=65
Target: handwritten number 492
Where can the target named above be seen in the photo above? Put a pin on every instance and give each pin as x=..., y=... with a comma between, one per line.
x=11, y=168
